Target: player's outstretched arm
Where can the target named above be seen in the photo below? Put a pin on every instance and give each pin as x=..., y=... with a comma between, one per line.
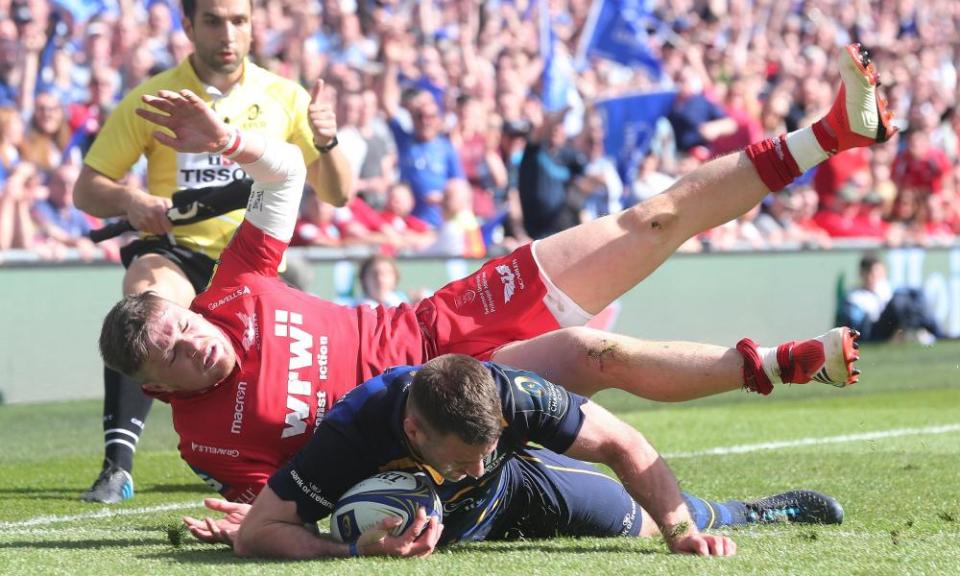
x=605, y=438
x=273, y=529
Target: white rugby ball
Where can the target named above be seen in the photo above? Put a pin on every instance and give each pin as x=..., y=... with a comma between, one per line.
x=387, y=494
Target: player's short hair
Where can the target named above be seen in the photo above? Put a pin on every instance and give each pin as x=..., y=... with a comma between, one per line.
x=124, y=336
x=456, y=394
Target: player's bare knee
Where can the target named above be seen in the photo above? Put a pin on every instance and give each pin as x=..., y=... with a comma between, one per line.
x=655, y=218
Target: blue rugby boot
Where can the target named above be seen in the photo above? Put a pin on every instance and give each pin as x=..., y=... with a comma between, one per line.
x=799, y=506
x=112, y=486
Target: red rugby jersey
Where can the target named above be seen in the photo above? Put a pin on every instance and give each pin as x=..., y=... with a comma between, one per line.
x=297, y=355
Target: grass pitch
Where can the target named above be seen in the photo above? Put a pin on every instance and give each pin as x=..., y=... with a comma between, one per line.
x=887, y=448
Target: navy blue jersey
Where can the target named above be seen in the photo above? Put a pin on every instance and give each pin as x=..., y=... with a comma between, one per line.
x=363, y=435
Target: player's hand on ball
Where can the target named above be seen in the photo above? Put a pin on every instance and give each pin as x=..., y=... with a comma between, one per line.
x=219, y=531
x=417, y=541
x=703, y=545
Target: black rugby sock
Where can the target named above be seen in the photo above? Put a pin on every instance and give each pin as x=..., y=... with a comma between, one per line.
x=125, y=409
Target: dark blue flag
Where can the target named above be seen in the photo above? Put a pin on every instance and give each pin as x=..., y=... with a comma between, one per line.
x=618, y=30
x=630, y=122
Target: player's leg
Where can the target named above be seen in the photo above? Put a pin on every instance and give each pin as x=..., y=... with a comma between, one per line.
x=585, y=502
x=125, y=406
x=596, y=262
x=586, y=361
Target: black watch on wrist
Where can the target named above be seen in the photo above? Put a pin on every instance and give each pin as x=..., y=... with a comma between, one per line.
x=329, y=146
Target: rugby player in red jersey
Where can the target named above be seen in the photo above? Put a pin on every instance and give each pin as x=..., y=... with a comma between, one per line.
x=251, y=368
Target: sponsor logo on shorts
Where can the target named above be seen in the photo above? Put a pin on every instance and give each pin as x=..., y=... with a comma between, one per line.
x=507, y=277
x=467, y=297
x=486, y=298
x=214, y=450
x=229, y=297
x=629, y=519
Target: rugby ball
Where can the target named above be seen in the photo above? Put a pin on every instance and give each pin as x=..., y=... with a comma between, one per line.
x=387, y=494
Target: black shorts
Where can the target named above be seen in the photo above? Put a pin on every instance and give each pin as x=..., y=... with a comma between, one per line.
x=197, y=267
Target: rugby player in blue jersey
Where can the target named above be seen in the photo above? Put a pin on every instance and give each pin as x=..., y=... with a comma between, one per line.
x=505, y=450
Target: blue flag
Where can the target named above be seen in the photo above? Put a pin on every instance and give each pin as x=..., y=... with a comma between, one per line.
x=558, y=87
x=558, y=72
x=630, y=123
x=617, y=30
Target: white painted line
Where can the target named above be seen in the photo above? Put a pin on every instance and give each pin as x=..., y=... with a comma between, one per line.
x=719, y=451
x=102, y=513
x=878, y=435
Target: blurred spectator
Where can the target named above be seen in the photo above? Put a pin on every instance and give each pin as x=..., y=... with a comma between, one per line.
x=321, y=224
x=412, y=234
x=379, y=278
x=9, y=70
x=63, y=224
x=649, y=181
x=601, y=185
x=380, y=162
x=48, y=134
x=880, y=313
x=427, y=159
x=548, y=174
x=922, y=166
x=855, y=213
x=11, y=139
x=477, y=139
x=695, y=118
x=354, y=146
x=836, y=171
x=17, y=227
x=460, y=234
x=86, y=117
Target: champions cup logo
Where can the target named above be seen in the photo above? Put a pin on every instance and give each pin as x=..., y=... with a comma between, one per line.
x=528, y=386
x=467, y=297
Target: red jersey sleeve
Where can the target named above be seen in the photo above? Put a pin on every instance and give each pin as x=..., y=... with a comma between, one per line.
x=251, y=251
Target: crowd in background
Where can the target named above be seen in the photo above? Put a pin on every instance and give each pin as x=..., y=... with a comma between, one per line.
x=452, y=149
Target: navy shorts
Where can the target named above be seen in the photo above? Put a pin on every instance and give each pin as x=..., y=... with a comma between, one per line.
x=554, y=495
x=197, y=267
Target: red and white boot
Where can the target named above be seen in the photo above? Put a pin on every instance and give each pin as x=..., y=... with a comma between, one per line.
x=828, y=359
x=859, y=116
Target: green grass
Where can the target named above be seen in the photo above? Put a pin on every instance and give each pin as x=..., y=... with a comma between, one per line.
x=901, y=493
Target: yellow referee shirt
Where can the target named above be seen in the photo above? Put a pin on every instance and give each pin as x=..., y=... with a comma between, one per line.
x=261, y=101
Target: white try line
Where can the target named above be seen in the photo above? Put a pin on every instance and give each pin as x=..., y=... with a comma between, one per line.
x=878, y=435
x=102, y=513
x=719, y=451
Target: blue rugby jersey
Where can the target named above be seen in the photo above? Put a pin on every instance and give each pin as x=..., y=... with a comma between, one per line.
x=363, y=435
